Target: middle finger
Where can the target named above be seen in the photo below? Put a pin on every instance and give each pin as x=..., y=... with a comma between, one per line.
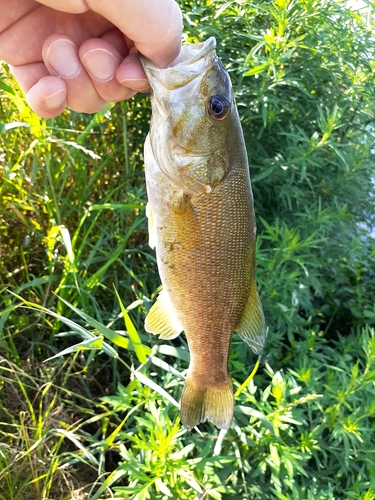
x=60, y=55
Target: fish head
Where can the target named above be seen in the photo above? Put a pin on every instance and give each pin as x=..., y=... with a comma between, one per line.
x=194, y=117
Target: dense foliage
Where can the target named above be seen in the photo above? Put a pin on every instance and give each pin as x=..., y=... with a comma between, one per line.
x=77, y=278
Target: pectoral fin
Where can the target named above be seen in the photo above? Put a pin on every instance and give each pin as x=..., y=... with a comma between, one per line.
x=161, y=319
x=252, y=327
x=151, y=226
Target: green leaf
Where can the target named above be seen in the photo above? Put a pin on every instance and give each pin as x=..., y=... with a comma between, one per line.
x=85, y=345
x=257, y=70
x=6, y=87
x=4, y=127
x=141, y=351
x=155, y=387
x=103, y=330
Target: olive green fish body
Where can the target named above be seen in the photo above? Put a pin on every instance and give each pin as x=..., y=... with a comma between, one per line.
x=202, y=224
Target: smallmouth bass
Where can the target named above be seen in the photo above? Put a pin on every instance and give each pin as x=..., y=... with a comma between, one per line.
x=202, y=225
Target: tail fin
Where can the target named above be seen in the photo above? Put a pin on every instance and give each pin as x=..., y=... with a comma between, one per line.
x=200, y=403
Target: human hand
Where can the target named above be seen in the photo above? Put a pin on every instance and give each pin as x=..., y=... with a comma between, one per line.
x=84, y=53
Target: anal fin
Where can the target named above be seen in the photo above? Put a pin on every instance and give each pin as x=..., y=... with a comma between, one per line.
x=252, y=327
x=161, y=319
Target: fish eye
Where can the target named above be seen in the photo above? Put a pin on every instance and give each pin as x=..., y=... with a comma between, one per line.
x=218, y=107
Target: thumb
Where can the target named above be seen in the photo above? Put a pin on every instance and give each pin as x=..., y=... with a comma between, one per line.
x=154, y=26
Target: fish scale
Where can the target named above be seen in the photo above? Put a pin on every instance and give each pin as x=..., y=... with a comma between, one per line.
x=202, y=225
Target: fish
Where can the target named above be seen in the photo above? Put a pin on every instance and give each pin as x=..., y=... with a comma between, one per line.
x=202, y=225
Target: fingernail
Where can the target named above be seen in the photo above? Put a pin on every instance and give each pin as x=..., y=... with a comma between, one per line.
x=55, y=100
x=101, y=64
x=62, y=56
x=138, y=84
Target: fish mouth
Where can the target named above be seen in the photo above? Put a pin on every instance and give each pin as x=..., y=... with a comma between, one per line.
x=193, y=60
x=190, y=54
